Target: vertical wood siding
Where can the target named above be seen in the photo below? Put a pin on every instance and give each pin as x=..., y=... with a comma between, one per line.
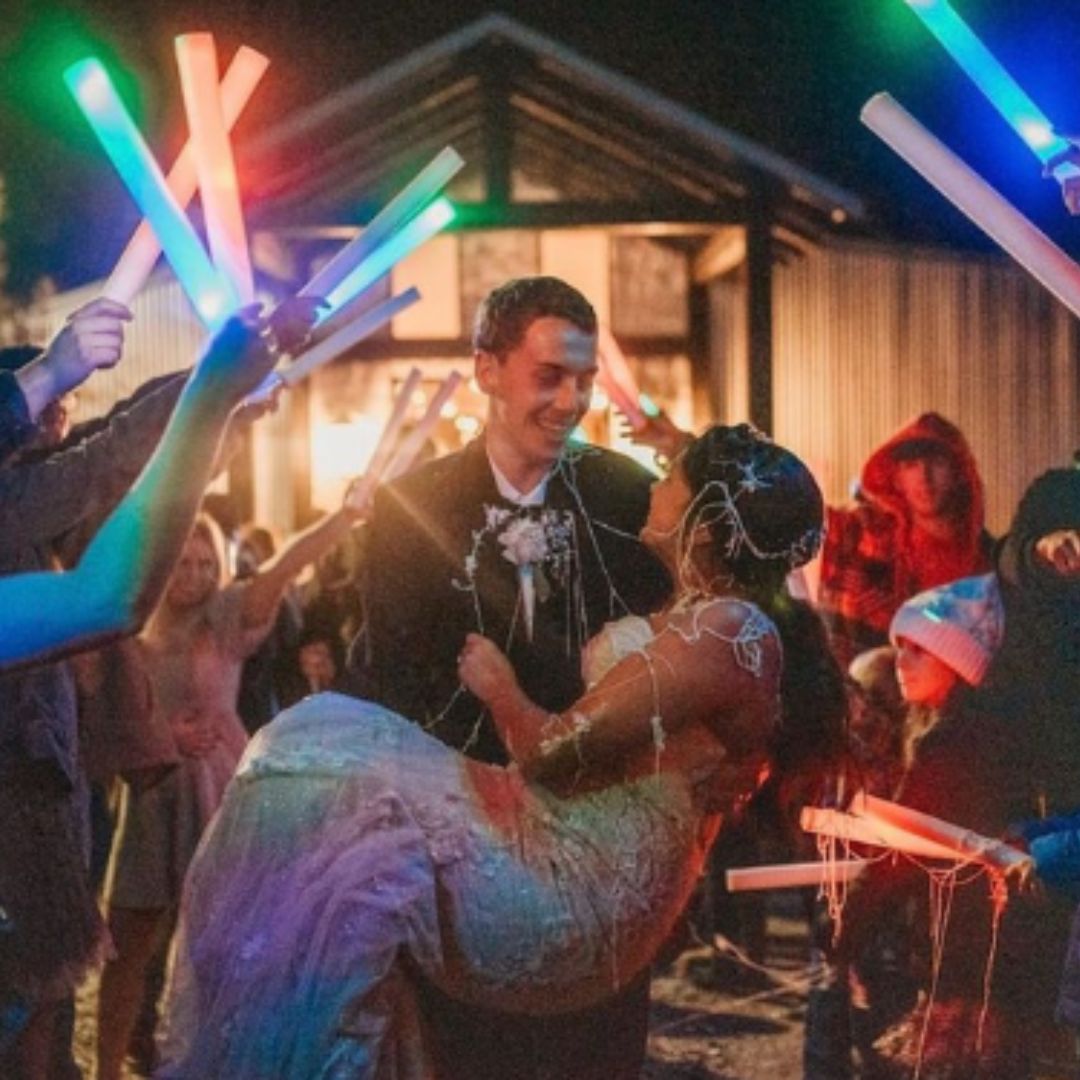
x=866, y=337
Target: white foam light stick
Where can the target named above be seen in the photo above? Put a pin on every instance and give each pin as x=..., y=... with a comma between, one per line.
x=793, y=875
x=210, y=293
x=412, y=444
x=843, y=826
x=384, y=448
x=137, y=261
x=964, y=843
x=973, y=196
x=397, y=213
x=196, y=57
x=338, y=342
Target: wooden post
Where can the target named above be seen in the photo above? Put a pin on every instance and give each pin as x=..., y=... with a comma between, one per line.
x=759, y=313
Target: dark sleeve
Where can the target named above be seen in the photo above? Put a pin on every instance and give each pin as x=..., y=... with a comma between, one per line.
x=390, y=662
x=16, y=427
x=41, y=500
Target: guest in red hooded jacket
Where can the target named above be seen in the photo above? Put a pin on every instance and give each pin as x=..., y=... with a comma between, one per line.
x=917, y=522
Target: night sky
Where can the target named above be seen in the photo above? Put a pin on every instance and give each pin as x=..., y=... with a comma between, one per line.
x=790, y=73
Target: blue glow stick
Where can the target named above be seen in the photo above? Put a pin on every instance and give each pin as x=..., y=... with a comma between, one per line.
x=999, y=87
x=422, y=227
x=647, y=405
x=210, y=293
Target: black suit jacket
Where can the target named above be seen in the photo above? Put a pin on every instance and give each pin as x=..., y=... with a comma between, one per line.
x=419, y=606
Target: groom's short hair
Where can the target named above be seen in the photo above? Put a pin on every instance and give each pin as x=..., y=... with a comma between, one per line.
x=508, y=311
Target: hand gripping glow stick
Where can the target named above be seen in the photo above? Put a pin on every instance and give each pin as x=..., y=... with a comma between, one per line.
x=999, y=87
x=973, y=196
x=964, y=843
x=413, y=442
x=196, y=57
x=875, y=833
x=793, y=875
x=384, y=449
x=137, y=261
x=422, y=227
x=91, y=87
x=417, y=194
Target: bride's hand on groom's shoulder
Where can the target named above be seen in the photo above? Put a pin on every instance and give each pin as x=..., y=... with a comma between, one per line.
x=484, y=669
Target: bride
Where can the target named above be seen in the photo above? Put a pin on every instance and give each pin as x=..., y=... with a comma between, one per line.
x=353, y=852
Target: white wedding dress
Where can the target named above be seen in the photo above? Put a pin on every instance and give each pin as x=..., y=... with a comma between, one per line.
x=353, y=850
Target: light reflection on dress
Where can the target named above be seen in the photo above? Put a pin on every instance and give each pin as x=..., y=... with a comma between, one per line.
x=353, y=849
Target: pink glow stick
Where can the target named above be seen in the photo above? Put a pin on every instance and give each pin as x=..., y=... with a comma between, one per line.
x=137, y=261
x=196, y=57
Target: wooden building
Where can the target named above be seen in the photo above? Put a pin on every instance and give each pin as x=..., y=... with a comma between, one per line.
x=741, y=285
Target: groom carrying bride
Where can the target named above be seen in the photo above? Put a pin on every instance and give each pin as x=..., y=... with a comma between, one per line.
x=532, y=541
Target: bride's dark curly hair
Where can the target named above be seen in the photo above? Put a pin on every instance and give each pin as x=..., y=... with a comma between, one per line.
x=765, y=513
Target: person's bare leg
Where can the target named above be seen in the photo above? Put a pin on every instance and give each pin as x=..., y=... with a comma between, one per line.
x=135, y=935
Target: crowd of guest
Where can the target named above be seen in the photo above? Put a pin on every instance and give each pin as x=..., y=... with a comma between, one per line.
x=118, y=738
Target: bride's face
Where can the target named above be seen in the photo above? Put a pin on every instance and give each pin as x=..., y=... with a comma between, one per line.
x=668, y=503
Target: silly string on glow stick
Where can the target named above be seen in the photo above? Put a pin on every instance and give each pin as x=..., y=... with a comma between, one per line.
x=793, y=875
x=841, y=826
x=335, y=344
x=422, y=227
x=416, y=195
x=973, y=196
x=196, y=57
x=137, y=261
x=209, y=292
x=998, y=86
x=412, y=444
x=965, y=843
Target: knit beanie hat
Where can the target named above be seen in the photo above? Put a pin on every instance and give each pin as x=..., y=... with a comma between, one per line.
x=961, y=623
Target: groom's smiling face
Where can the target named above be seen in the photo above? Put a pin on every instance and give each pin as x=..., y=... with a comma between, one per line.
x=540, y=389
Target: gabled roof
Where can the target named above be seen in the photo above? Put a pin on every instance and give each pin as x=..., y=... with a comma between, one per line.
x=550, y=137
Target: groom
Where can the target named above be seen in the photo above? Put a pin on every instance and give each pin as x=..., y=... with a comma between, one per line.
x=532, y=541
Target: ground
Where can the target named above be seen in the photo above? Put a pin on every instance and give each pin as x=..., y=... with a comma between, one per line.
x=712, y=1019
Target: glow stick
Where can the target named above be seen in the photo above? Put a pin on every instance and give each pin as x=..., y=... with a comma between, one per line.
x=793, y=875
x=964, y=843
x=346, y=337
x=422, y=227
x=219, y=189
x=398, y=212
x=999, y=87
x=412, y=444
x=972, y=195
x=137, y=261
x=875, y=833
x=384, y=448
x=91, y=87
x=617, y=380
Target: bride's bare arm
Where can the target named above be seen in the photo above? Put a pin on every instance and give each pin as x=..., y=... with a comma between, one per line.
x=716, y=664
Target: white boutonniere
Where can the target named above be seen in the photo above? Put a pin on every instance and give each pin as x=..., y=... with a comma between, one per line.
x=540, y=547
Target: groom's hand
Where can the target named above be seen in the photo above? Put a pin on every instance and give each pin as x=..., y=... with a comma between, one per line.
x=484, y=669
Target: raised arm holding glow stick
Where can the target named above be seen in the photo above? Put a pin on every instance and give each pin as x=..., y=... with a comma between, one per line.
x=973, y=196
x=137, y=261
x=211, y=295
x=196, y=57
x=413, y=198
